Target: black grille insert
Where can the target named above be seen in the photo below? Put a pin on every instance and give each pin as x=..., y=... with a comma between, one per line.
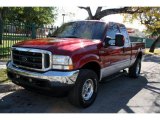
x=31, y=60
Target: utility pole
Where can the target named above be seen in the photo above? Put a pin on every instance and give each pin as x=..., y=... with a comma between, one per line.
x=63, y=17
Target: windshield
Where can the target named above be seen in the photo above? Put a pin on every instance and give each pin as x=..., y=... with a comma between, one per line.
x=81, y=29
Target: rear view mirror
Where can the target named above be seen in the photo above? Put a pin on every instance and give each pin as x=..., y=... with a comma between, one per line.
x=119, y=40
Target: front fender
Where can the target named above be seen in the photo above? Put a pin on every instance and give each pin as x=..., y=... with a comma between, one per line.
x=86, y=59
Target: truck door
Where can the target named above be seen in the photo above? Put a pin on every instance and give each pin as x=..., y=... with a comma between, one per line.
x=112, y=56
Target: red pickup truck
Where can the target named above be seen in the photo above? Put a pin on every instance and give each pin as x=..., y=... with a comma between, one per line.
x=75, y=59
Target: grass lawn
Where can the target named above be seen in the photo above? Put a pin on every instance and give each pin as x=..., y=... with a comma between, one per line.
x=3, y=76
x=156, y=51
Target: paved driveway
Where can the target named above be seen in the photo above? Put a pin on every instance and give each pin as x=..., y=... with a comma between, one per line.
x=121, y=95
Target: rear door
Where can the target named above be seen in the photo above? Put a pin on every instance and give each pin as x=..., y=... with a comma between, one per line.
x=127, y=46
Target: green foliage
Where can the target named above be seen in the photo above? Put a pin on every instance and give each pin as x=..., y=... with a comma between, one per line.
x=38, y=15
x=149, y=16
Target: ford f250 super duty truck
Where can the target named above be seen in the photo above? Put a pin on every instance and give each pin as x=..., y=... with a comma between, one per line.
x=75, y=59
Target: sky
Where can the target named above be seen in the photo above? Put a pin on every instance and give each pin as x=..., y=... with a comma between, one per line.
x=75, y=13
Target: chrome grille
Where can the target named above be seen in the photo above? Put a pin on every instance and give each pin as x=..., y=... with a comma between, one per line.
x=29, y=58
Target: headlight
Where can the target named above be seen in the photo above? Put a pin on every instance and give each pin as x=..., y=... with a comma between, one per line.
x=62, y=62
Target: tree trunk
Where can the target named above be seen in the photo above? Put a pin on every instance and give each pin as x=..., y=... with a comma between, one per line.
x=3, y=11
x=102, y=13
x=1, y=27
x=155, y=43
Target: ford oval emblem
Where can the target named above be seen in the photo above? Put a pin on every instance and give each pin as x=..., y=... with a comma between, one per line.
x=24, y=59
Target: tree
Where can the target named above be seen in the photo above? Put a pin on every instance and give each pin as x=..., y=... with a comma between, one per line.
x=2, y=11
x=150, y=17
x=100, y=13
x=28, y=15
x=38, y=15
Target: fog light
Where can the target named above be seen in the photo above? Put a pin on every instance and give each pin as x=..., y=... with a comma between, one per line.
x=17, y=76
x=30, y=80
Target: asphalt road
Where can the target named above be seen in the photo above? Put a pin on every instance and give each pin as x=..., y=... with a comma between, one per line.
x=121, y=95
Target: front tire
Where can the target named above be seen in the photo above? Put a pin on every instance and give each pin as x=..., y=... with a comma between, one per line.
x=85, y=90
x=135, y=69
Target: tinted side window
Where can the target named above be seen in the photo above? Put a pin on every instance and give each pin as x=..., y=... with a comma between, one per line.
x=124, y=33
x=112, y=30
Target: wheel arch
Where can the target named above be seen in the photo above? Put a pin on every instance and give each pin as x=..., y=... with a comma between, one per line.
x=139, y=55
x=93, y=65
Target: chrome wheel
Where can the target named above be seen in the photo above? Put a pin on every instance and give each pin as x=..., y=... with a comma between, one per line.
x=87, y=90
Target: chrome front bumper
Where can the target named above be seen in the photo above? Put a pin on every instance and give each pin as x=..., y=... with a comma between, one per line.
x=54, y=77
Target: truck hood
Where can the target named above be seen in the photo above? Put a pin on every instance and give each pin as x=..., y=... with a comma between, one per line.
x=59, y=45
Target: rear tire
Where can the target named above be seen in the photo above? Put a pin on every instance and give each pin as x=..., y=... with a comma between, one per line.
x=135, y=69
x=85, y=90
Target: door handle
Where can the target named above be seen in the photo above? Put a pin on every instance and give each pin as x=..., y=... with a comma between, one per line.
x=102, y=52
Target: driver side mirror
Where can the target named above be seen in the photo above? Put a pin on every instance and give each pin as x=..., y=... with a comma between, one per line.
x=119, y=40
